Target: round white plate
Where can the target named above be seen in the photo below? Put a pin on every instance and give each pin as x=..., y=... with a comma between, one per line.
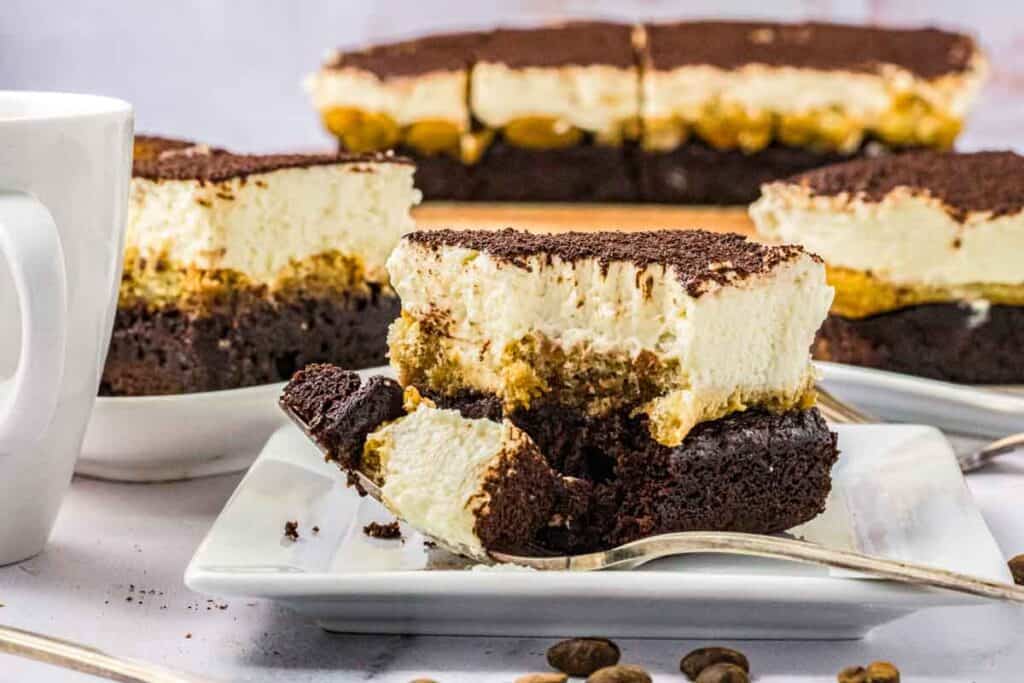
x=165, y=438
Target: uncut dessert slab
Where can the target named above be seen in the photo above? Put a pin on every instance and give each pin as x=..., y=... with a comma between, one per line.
x=897, y=493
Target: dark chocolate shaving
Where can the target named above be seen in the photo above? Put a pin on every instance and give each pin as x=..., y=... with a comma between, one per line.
x=980, y=182
x=926, y=52
x=219, y=165
x=698, y=258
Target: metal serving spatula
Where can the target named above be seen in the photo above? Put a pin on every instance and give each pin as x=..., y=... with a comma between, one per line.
x=645, y=550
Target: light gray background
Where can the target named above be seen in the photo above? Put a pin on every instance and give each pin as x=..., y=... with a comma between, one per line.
x=229, y=72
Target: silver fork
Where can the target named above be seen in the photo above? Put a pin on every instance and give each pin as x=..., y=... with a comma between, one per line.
x=689, y=542
x=631, y=555
x=839, y=412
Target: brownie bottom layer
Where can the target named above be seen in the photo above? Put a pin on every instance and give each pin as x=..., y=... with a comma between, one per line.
x=694, y=173
x=171, y=351
x=754, y=472
x=951, y=342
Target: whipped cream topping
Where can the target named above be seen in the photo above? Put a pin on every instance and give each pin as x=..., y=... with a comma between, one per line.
x=434, y=96
x=259, y=224
x=905, y=238
x=596, y=98
x=685, y=90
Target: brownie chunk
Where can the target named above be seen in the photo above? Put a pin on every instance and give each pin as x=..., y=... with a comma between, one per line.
x=340, y=409
x=951, y=342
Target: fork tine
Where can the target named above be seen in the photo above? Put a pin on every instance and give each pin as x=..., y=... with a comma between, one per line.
x=835, y=410
x=367, y=484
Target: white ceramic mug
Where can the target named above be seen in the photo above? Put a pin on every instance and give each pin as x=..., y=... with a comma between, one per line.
x=65, y=168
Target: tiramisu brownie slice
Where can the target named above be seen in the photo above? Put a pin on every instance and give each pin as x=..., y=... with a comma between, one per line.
x=561, y=102
x=664, y=376
x=925, y=253
x=412, y=96
x=727, y=106
x=240, y=269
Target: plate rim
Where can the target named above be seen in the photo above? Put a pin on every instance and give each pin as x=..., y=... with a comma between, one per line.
x=219, y=394
x=196, y=397
x=997, y=397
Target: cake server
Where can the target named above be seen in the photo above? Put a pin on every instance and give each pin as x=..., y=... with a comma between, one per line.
x=87, y=660
x=637, y=553
x=837, y=411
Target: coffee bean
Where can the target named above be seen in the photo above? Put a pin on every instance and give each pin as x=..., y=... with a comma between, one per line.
x=883, y=672
x=698, y=660
x=1017, y=569
x=583, y=656
x=548, y=677
x=623, y=673
x=853, y=674
x=723, y=672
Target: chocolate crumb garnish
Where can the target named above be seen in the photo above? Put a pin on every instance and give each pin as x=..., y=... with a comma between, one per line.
x=443, y=52
x=927, y=52
x=316, y=530
x=580, y=43
x=698, y=258
x=990, y=182
x=225, y=165
x=385, y=531
x=353, y=482
x=291, y=530
x=1017, y=569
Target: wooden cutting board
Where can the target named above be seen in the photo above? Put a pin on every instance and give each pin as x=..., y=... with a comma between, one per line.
x=558, y=217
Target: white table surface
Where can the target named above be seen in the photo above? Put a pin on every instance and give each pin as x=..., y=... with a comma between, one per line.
x=112, y=536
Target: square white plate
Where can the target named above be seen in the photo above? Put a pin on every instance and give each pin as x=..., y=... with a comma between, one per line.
x=993, y=411
x=898, y=493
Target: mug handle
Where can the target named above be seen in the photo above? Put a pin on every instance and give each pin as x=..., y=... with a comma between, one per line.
x=31, y=244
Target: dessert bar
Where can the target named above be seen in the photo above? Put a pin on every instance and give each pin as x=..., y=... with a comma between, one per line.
x=241, y=269
x=691, y=112
x=924, y=251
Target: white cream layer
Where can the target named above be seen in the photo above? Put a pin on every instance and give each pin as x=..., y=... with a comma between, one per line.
x=258, y=224
x=684, y=92
x=436, y=96
x=906, y=238
x=749, y=338
x=596, y=98
x=434, y=464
